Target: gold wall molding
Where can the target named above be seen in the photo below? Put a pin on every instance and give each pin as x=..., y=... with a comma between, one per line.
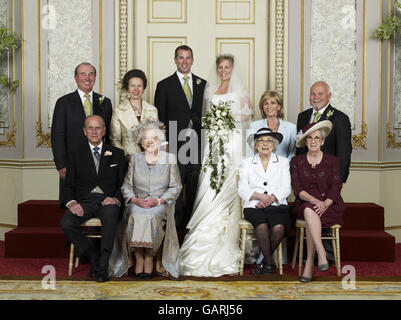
x=152, y=53
x=235, y=20
x=302, y=71
x=279, y=47
x=27, y=164
x=391, y=141
x=123, y=43
x=359, y=141
x=182, y=18
x=101, y=46
x=42, y=137
x=12, y=135
x=11, y=226
x=376, y=165
x=389, y=228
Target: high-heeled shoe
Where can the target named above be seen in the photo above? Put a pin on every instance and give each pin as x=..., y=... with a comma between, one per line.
x=306, y=279
x=323, y=267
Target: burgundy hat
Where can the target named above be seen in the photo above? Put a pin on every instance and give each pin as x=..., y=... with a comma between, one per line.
x=325, y=125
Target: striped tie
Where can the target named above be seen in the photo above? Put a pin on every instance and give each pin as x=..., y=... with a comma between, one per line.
x=96, y=153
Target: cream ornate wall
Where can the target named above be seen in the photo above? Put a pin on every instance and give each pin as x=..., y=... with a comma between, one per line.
x=305, y=44
x=359, y=69
x=57, y=36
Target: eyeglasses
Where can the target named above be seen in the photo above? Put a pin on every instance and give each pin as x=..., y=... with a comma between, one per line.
x=309, y=138
x=267, y=141
x=94, y=128
x=146, y=139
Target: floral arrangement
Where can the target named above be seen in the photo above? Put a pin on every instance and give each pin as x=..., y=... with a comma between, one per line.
x=390, y=25
x=8, y=41
x=101, y=99
x=329, y=114
x=219, y=122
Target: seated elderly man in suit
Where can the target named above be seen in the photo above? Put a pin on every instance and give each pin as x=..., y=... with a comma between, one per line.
x=95, y=173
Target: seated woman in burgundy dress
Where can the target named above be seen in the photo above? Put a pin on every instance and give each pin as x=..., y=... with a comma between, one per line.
x=316, y=182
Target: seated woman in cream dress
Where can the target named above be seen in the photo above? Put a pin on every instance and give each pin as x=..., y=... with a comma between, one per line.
x=128, y=115
x=150, y=189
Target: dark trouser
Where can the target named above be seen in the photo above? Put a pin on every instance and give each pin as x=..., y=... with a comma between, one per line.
x=61, y=193
x=108, y=215
x=189, y=178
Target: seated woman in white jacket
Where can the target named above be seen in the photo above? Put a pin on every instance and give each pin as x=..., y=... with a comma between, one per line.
x=264, y=185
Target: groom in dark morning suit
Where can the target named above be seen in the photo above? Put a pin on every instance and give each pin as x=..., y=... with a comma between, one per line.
x=69, y=117
x=95, y=173
x=179, y=99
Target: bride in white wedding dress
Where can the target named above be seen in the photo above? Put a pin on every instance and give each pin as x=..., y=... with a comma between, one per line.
x=211, y=247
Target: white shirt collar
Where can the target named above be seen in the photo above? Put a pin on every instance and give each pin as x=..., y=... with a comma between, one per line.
x=181, y=76
x=82, y=95
x=99, y=146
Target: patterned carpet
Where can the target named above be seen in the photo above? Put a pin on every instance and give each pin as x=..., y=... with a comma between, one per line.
x=195, y=290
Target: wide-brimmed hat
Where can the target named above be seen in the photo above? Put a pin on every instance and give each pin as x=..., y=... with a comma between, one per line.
x=264, y=132
x=325, y=125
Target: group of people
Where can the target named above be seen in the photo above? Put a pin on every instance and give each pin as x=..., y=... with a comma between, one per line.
x=144, y=172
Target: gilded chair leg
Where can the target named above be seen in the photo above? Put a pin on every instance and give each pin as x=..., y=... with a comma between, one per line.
x=71, y=262
x=333, y=242
x=301, y=250
x=243, y=243
x=338, y=258
x=280, y=258
x=295, y=253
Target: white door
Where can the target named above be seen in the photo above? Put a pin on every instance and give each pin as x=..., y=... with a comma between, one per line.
x=209, y=27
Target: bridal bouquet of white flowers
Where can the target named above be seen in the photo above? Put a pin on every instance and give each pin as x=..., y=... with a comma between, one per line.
x=219, y=123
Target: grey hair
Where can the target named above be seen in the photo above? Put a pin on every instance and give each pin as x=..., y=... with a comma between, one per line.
x=275, y=144
x=149, y=125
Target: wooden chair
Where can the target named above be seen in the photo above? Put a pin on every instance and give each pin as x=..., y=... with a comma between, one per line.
x=94, y=222
x=246, y=231
x=299, y=242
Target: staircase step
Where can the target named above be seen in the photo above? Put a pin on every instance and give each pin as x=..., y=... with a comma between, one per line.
x=25, y=242
x=363, y=216
x=367, y=245
x=360, y=245
x=39, y=213
x=359, y=216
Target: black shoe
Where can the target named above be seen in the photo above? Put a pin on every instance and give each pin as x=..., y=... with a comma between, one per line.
x=102, y=275
x=93, y=258
x=264, y=269
x=94, y=269
x=138, y=275
x=147, y=276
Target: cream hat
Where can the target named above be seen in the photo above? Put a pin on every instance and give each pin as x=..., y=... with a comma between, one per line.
x=326, y=125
